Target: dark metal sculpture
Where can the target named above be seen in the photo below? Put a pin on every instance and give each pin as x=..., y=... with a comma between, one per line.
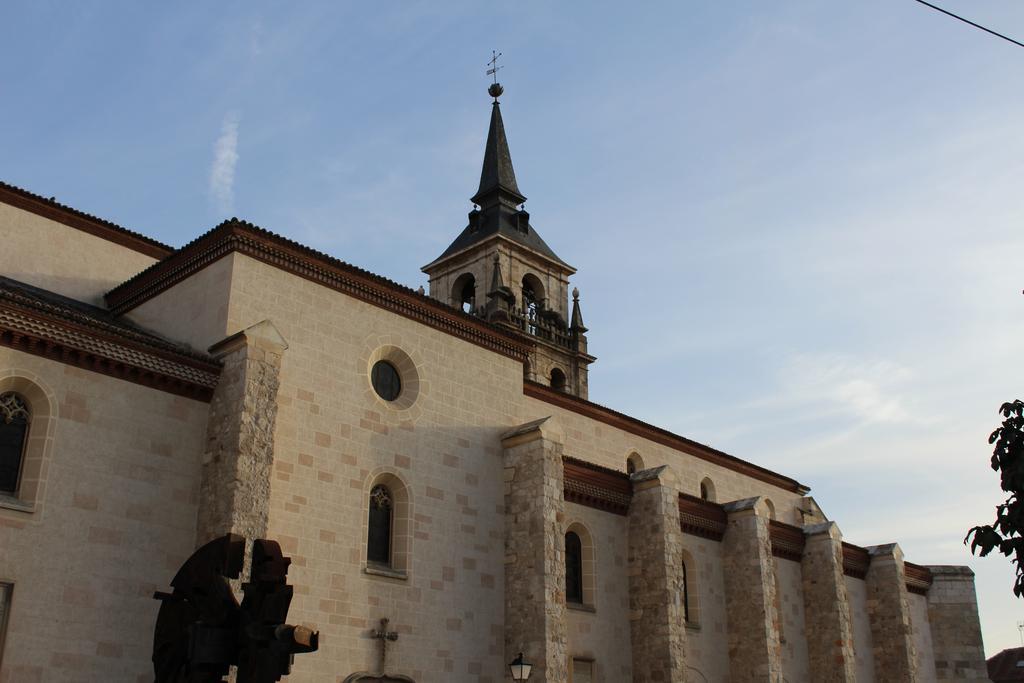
x=202, y=631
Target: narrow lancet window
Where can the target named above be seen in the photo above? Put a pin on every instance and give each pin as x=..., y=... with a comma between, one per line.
x=378, y=543
x=14, y=422
x=707, y=490
x=573, y=568
x=686, y=595
x=690, y=590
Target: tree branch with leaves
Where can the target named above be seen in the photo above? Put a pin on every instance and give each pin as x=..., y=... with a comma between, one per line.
x=1006, y=533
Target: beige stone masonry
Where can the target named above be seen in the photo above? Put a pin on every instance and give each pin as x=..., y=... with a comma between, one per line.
x=755, y=652
x=956, y=630
x=239, y=456
x=657, y=634
x=535, y=621
x=827, y=617
x=889, y=613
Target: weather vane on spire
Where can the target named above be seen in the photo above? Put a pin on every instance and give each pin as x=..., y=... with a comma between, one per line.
x=495, y=89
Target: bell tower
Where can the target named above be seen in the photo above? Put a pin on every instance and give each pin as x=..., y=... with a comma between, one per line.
x=500, y=269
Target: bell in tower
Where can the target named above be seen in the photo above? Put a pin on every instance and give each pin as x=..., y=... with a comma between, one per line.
x=500, y=269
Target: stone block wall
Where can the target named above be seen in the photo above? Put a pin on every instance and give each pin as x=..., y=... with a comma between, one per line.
x=62, y=259
x=955, y=627
x=115, y=521
x=793, y=632
x=602, y=635
x=193, y=312
x=922, y=636
x=707, y=651
x=334, y=437
x=863, y=647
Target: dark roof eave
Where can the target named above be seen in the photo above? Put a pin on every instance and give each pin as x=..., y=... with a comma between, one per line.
x=53, y=305
x=280, y=252
x=663, y=436
x=445, y=256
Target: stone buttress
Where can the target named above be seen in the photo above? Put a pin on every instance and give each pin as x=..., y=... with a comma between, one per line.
x=894, y=653
x=535, y=622
x=956, y=629
x=827, y=618
x=657, y=634
x=239, y=456
x=755, y=650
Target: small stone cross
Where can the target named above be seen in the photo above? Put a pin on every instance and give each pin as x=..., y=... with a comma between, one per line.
x=384, y=635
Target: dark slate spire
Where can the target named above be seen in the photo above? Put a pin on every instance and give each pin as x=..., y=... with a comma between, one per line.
x=497, y=177
x=499, y=200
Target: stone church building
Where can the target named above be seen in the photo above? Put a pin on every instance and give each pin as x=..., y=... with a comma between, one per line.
x=432, y=458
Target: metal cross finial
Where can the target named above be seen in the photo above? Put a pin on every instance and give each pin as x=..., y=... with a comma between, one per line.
x=493, y=71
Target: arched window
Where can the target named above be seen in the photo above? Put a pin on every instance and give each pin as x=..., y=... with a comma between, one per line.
x=14, y=423
x=557, y=379
x=707, y=490
x=378, y=538
x=771, y=508
x=464, y=292
x=580, y=566
x=634, y=463
x=690, y=597
x=573, y=568
x=389, y=527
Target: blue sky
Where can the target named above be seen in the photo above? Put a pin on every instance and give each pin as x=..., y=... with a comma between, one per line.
x=796, y=224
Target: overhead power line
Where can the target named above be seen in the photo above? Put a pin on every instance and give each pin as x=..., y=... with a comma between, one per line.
x=967, y=21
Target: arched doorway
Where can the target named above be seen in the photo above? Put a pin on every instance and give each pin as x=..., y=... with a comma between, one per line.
x=366, y=677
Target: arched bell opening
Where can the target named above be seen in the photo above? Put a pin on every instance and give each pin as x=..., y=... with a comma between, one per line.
x=533, y=301
x=464, y=292
x=557, y=379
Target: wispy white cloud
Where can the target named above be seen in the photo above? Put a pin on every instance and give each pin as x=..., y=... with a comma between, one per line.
x=225, y=159
x=865, y=390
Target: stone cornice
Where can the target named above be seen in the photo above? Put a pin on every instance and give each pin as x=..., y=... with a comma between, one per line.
x=658, y=435
x=48, y=208
x=596, y=487
x=919, y=579
x=92, y=347
x=610, y=490
x=701, y=517
x=787, y=540
x=236, y=236
x=856, y=560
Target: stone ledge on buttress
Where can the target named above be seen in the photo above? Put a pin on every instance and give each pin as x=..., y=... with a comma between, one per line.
x=544, y=428
x=262, y=335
